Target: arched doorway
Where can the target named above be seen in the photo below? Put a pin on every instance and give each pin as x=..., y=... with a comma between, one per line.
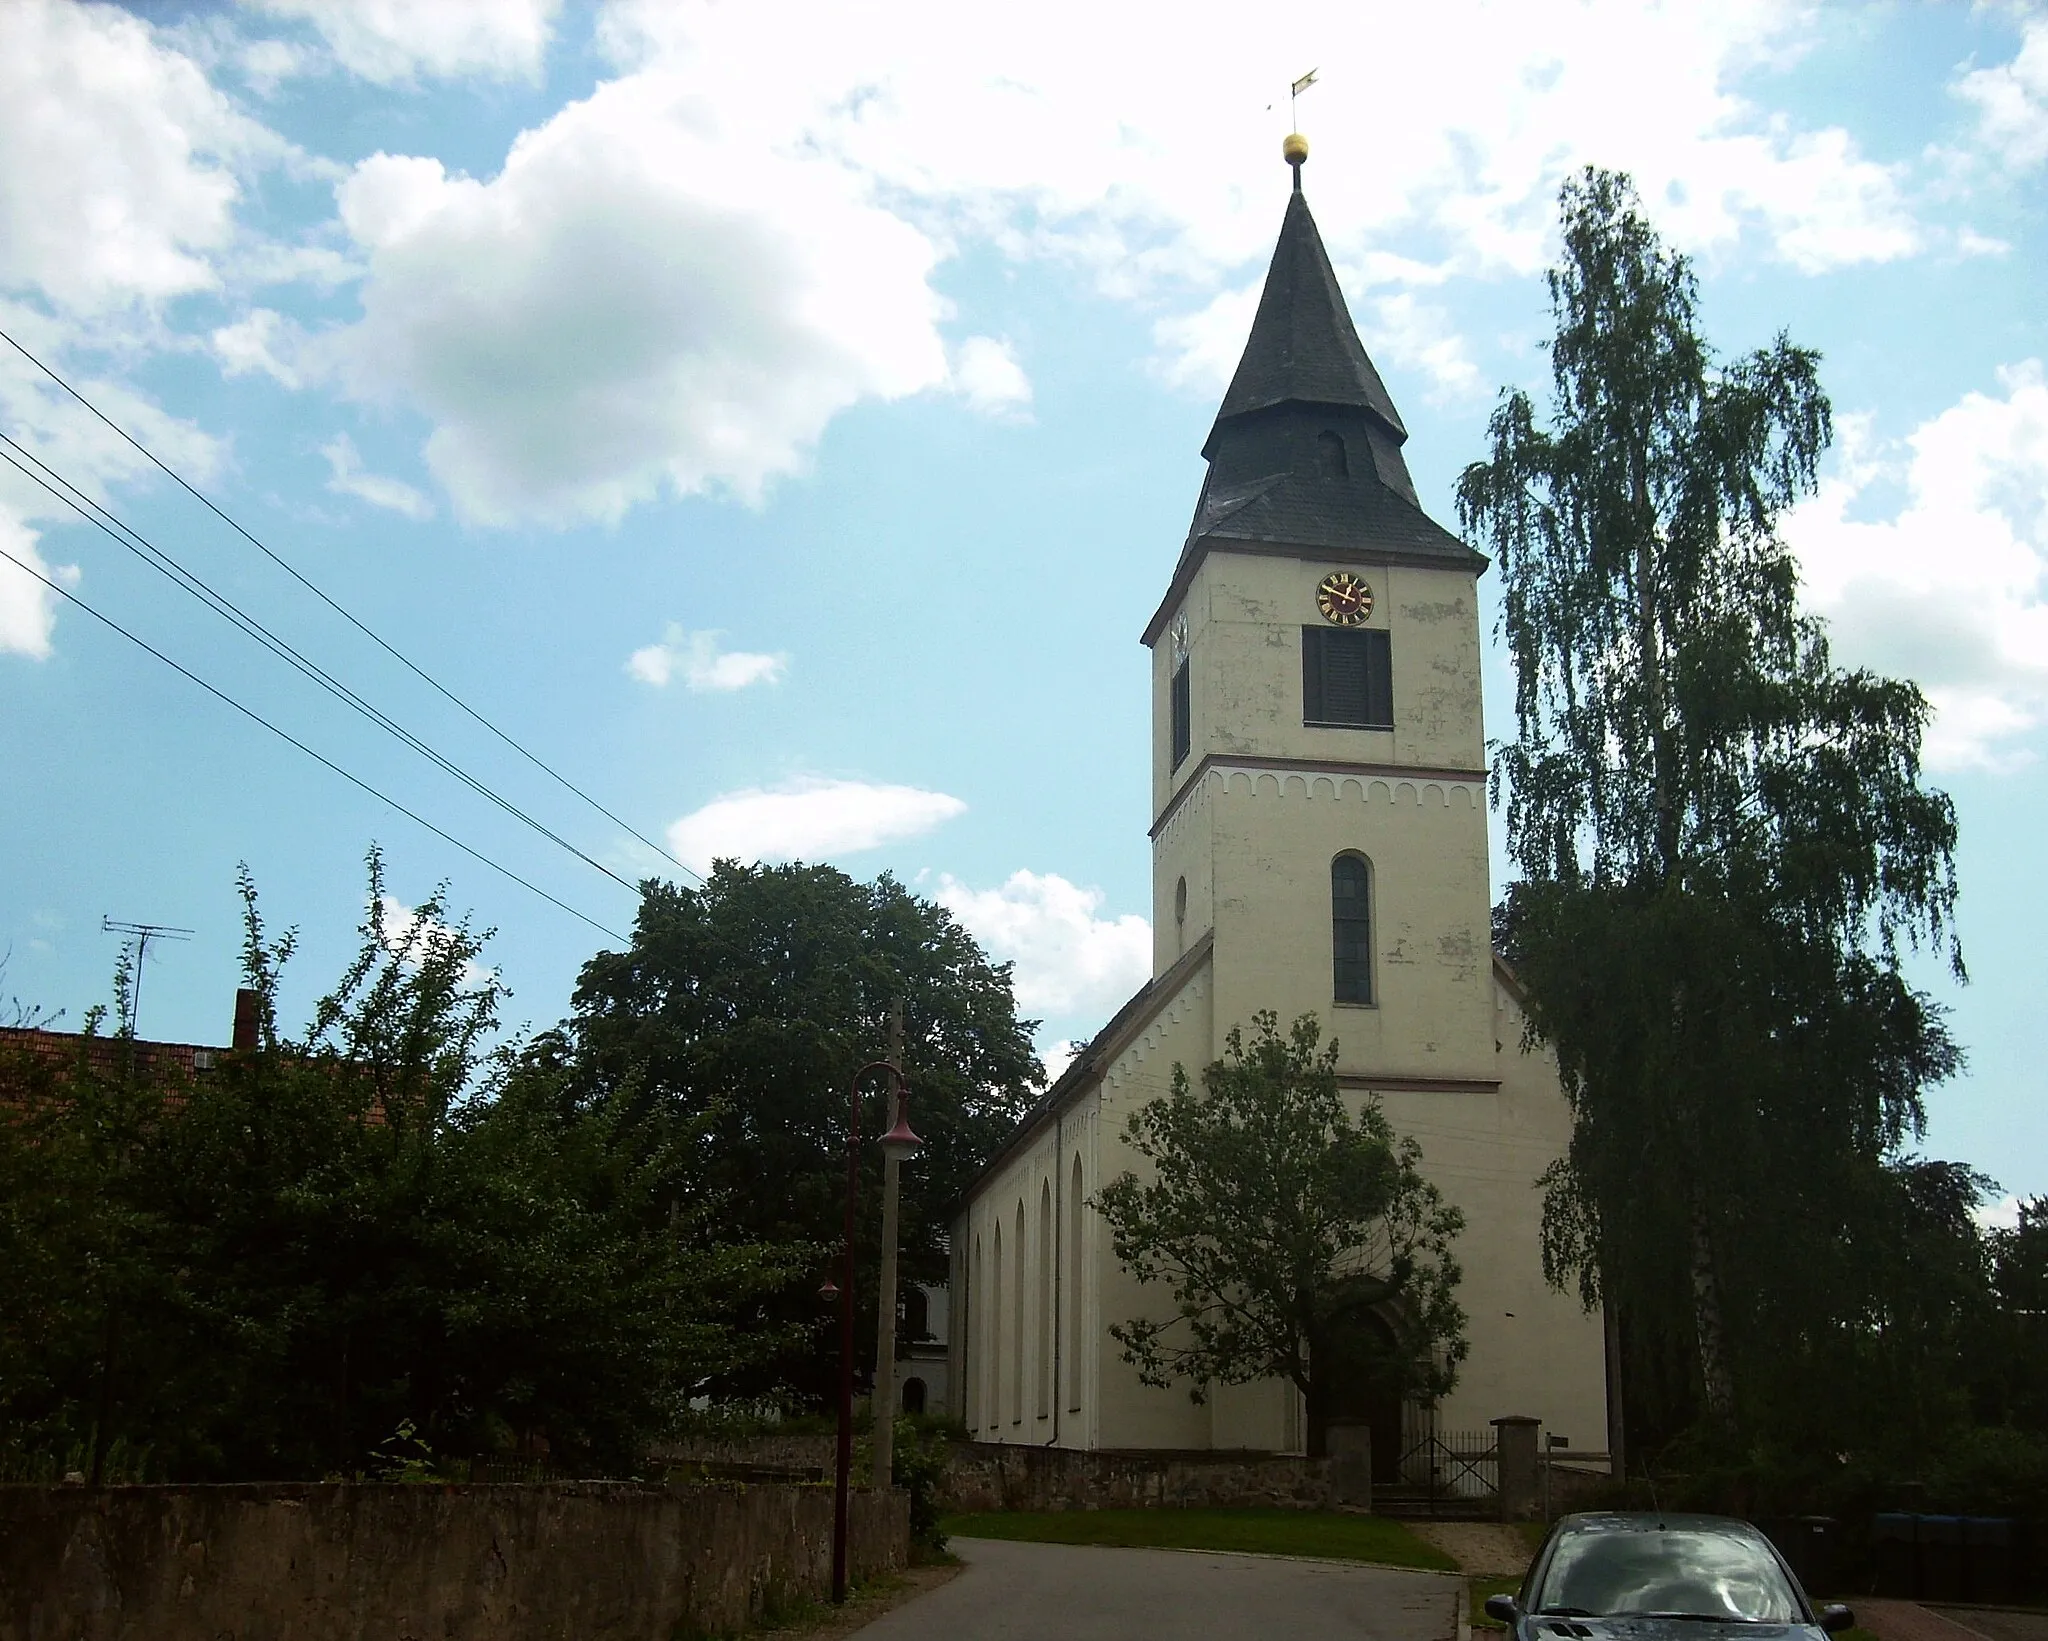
x=913, y=1395
x=1368, y=1388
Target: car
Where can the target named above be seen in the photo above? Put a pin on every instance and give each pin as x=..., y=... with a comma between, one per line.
x=1657, y=1576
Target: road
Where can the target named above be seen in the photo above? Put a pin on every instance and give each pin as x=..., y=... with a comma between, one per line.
x=1063, y=1592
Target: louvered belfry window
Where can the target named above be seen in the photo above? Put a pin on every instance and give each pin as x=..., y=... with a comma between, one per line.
x=1347, y=678
x=1351, y=929
x=1182, y=715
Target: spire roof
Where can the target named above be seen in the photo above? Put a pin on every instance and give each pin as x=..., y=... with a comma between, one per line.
x=1303, y=347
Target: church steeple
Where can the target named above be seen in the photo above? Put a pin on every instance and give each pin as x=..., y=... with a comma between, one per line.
x=1303, y=347
x=1306, y=448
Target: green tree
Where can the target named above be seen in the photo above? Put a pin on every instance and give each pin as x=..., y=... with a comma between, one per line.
x=1723, y=839
x=1280, y=1223
x=266, y=1268
x=742, y=1009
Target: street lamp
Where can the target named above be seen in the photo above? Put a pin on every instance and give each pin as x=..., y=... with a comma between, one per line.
x=899, y=1142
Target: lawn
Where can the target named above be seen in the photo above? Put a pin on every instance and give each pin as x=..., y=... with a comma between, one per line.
x=1267, y=1532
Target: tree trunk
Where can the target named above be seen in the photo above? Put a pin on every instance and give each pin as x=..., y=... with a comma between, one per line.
x=1707, y=1328
x=1617, y=1420
x=1317, y=1391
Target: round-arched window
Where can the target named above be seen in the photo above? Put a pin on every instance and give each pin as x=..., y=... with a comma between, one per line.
x=1351, y=929
x=1331, y=460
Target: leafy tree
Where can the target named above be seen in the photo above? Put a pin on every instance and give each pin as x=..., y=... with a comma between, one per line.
x=1723, y=838
x=265, y=1269
x=742, y=1010
x=1279, y=1222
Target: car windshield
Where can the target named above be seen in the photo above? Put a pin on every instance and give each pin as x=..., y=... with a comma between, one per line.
x=1694, y=1572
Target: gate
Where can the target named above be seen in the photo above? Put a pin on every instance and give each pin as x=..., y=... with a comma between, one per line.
x=1447, y=1472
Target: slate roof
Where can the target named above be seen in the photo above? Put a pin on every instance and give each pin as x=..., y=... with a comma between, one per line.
x=1355, y=513
x=1303, y=347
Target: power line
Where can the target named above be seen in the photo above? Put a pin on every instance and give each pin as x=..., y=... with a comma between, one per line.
x=403, y=660
x=285, y=735
x=127, y=536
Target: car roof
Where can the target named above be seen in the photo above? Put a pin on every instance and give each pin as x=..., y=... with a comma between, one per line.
x=1650, y=1521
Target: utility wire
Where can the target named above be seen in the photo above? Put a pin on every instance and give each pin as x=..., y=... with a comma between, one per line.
x=403, y=660
x=160, y=561
x=285, y=735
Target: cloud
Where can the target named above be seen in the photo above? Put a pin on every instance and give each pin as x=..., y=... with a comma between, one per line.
x=263, y=341
x=703, y=666
x=809, y=818
x=2011, y=100
x=674, y=284
x=1952, y=589
x=347, y=478
x=1068, y=960
x=393, y=41
x=987, y=375
x=411, y=938
x=120, y=182
x=2003, y=1215
x=28, y=609
x=630, y=305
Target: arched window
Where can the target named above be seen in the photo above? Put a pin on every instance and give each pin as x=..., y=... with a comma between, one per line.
x=1331, y=461
x=995, y=1341
x=977, y=1349
x=917, y=1314
x=1045, y=1315
x=1017, y=1327
x=1351, y=928
x=1076, y=1203
x=913, y=1395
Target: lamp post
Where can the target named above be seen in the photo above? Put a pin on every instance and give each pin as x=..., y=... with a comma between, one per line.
x=898, y=1143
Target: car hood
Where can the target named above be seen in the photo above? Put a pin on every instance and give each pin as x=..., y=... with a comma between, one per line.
x=1624, y=1628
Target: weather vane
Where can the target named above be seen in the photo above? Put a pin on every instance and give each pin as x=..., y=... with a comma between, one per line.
x=1294, y=96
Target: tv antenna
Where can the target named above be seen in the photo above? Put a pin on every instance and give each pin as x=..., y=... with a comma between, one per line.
x=140, y=935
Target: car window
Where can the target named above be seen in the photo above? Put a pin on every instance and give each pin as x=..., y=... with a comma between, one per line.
x=1701, y=1572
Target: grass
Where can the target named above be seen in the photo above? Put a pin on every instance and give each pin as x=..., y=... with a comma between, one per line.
x=1266, y=1532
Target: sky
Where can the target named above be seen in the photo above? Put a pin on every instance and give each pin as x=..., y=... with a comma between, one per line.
x=780, y=421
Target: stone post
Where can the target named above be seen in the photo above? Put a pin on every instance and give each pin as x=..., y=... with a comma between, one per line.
x=1351, y=1464
x=1515, y=1447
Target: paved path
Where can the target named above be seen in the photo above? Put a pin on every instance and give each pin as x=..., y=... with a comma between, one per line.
x=1066, y=1592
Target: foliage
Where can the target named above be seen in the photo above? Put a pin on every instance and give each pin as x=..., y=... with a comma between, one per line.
x=1724, y=840
x=742, y=1010
x=1281, y=1225
x=1324, y=1534
x=263, y=1269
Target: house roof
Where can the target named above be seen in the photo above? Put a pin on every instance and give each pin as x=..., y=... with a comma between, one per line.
x=1303, y=347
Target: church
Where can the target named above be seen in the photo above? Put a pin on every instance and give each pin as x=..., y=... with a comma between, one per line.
x=1319, y=845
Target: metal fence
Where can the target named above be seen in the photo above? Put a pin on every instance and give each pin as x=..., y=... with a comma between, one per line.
x=1448, y=1468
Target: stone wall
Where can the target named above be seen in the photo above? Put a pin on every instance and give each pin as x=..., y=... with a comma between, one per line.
x=1010, y=1476
x=997, y=1476
x=458, y=1563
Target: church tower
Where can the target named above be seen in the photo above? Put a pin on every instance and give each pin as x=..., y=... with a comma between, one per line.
x=1319, y=846
x=1318, y=760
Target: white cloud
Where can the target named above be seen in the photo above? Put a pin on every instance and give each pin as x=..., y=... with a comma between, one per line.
x=119, y=183
x=1951, y=590
x=392, y=41
x=809, y=818
x=677, y=282
x=1068, y=959
x=987, y=375
x=2003, y=1215
x=702, y=664
x=264, y=340
x=28, y=609
x=347, y=478
x=412, y=939
x=630, y=304
x=2012, y=100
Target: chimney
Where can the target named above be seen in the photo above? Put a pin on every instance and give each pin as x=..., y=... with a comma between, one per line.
x=248, y=1020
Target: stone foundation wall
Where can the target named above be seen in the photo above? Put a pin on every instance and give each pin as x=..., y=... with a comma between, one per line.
x=997, y=1476
x=458, y=1563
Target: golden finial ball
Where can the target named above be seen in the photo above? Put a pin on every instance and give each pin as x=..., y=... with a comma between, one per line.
x=1294, y=149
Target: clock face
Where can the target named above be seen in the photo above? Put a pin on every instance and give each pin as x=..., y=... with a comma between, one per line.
x=1344, y=599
